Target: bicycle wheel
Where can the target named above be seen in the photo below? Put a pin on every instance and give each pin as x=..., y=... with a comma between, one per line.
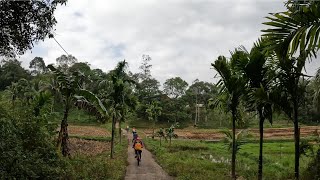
x=138, y=159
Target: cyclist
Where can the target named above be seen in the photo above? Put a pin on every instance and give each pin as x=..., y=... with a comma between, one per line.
x=134, y=134
x=138, y=145
x=127, y=129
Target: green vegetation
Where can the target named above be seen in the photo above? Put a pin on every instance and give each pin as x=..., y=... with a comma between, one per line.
x=265, y=83
x=200, y=160
x=100, y=166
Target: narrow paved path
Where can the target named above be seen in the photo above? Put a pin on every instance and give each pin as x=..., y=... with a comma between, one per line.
x=148, y=169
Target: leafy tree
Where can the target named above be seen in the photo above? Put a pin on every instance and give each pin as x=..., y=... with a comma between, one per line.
x=25, y=22
x=11, y=71
x=13, y=91
x=38, y=65
x=145, y=68
x=148, y=86
x=202, y=91
x=153, y=112
x=231, y=87
x=175, y=87
x=148, y=89
x=26, y=147
x=64, y=62
x=199, y=93
x=83, y=67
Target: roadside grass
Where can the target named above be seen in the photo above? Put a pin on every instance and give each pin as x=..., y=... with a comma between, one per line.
x=200, y=160
x=100, y=166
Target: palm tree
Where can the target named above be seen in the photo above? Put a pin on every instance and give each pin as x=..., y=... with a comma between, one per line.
x=296, y=29
x=254, y=69
x=316, y=88
x=119, y=81
x=231, y=86
x=288, y=90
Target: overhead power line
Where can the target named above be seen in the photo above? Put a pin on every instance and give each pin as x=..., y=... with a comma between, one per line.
x=61, y=46
x=51, y=36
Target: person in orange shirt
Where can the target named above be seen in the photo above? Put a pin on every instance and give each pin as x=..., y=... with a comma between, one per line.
x=138, y=146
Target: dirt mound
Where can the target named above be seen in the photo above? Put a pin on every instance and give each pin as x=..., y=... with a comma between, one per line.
x=87, y=147
x=87, y=131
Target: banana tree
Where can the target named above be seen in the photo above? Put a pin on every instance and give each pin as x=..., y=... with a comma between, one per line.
x=240, y=138
x=161, y=134
x=70, y=89
x=231, y=86
x=170, y=132
x=68, y=85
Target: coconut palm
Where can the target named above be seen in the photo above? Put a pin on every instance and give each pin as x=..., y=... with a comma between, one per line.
x=231, y=86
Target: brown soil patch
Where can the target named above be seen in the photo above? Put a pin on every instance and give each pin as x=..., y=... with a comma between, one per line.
x=269, y=133
x=87, y=147
x=87, y=131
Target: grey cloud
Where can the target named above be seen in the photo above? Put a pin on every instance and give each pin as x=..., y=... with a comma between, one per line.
x=182, y=37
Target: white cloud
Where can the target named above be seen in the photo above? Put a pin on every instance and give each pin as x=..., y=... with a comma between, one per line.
x=182, y=36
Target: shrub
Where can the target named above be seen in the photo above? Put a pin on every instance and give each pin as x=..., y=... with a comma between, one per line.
x=27, y=151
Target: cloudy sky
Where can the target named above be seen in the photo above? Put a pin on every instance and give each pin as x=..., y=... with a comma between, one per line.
x=182, y=36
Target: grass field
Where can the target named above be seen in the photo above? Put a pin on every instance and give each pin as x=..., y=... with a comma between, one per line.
x=200, y=160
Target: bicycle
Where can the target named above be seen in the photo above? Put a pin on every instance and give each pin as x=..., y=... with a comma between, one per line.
x=138, y=156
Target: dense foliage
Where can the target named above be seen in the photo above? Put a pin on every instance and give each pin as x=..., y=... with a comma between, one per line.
x=265, y=83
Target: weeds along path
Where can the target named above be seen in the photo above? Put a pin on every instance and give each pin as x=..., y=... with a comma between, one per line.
x=148, y=169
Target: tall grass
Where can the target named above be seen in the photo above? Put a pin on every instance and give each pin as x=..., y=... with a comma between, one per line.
x=100, y=166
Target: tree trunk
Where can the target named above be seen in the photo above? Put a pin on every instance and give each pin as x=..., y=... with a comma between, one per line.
x=296, y=140
x=120, y=132
x=261, y=121
x=112, y=136
x=153, y=130
x=63, y=137
x=170, y=141
x=160, y=141
x=233, y=159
